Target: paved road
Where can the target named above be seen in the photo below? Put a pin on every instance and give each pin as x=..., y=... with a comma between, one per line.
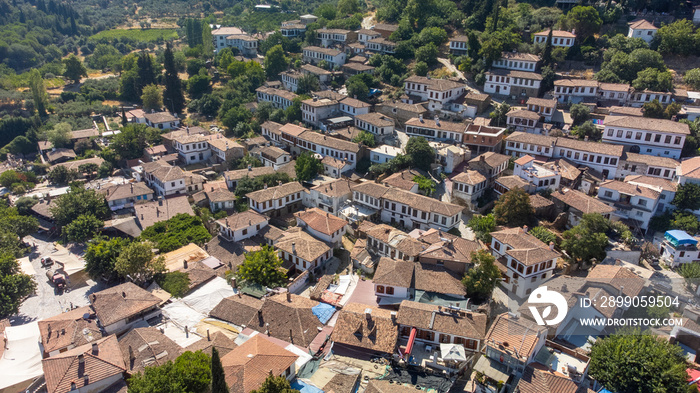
x=47, y=301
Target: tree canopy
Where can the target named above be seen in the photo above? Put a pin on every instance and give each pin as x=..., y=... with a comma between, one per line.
x=422, y=155
x=262, y=267
x=177, y=232
x=480, y=280
x=687, y=197
x=483, y=226
x=513, y=208
x=190, y=373
x=307, y=166
x=138, y=262
x=588, y=239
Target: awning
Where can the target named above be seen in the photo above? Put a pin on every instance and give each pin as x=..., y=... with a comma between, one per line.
x=453, y=352
x=492, y=369
x=411, y=340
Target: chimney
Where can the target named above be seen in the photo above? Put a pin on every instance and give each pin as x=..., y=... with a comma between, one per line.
x=551, y=246
x=94, y=297
x=621, y=290
x=132, y=357
x=142, y=216
x=525, y=228
x=291, y=336
x=184, y=263
x=368, y=313
x=86, y=380
x=208, y=336
x=294, y=248
x=420, y=117
x=95, y=349
x=157, y=212
x=124, y=295
x=132, y=187
x=289, y=296
x=585, y=138
x=393, y=316
x=437, y=121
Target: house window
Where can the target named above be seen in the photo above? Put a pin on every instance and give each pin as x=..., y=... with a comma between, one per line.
x=380, y=289
x=389, y=290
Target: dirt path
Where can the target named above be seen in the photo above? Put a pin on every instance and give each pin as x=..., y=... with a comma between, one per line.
x=368, y=21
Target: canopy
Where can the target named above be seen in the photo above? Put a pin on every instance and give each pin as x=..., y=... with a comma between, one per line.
x=678, y=237
x=209, y=295
x=492, y=369
x=453, y=352
x=21, y=361
x=304, y=387
x=323, y=312
x=26, y=267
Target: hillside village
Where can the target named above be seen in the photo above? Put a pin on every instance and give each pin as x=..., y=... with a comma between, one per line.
x=375, y=209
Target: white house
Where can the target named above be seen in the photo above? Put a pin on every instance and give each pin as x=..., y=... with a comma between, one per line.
x=330, y=37
x=543, y=107
x=325, y=145
x=437, y=92
x=642, y=164
x=640, y=97
x=575, y=90
x=330, y=196
x=292, y=28
x=364, y=35
x=654, y=137
x=277, y=201
x=512, y=83
x=526, y=121
x=162, y=120
x=517, y=61
x=528, y=261
x=274, y=156
x=678, y=248
x=468, y=186
x=281, y=99
x=120, y=307
x=290, y=79
x=192, y=148
x=302, y=250
x=642, y=29
x=459, y=45
x=322, y=225
x=633, y=202
x=559, y=38
x=221, y=34
x=435, y=129
x=614, y=93
x=542, y=178
x=384, y=153
x=164, y=178
x=241, y=226
x=375, y=122
x=315, y=54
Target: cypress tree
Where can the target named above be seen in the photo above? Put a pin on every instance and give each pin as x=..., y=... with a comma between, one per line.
x=172, y=97
x=124, y=120
x=218, y=378
x=547, y=54
x=146, y=73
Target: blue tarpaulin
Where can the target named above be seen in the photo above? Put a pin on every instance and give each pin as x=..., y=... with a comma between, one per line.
x=304, y=387
x=323, y=312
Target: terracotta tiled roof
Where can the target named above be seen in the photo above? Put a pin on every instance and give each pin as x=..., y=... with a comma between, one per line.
x=593, y=147
x=566, y=169
x=433, y=278
x=237, y=310
x=394, y=272
x=144, y=347
x=278, y=192
x=538, y=201
x=653, y=182
x=349, y=101
x=120, y=302
x=519, y=56
x=81, y=364
x=690, y=168
x=491, y=159
x=630, y=189
x=428, y=317
x=646, y=123
x=217, y=340
x=301, y=244
x=87, y=133
x=664, y=162
x=582, y=202
x=614, y=87
x=230, y=254
x=576, y=83
x=523, y=114
x=435, y=84
x=312, y=69
x=542, y=102
x=448, y=247
x=538, y=381
x=288, y=95
x=159, y=117
x=272, y=127
x=386, y=386
x=516, y=74
x=247, y=366
x=329, y=141
x=69, y=329
x=440, y=125
x=469, y=177
x=168, y=173
x=123, y=191
x=373, y=331
x=642, y=24
x=251, y=173
x=514, y=334
x=321, y=221
x=342, y=383
x=333, y=162
x=557, y=33
x=397, y=239
x=619, y=277
x=60, y=153
x=511, y=182
x=402, y=179
x=281, y=317
x=325, y=51
x=526, y=248
x=334, y=189
x=152, y=212
x=244, y=219
x=370, y=188
x=422, y=202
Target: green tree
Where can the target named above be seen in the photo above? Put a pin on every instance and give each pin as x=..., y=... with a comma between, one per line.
x=152, y=98
x=420, y=68
x=426, y=185
x=587, y=129
x=262, y=267
x=60, y=135
x=199, y=84
x=366, y=138
x=83, y=228
x=172, y=96
x=499, y=114
x=177, y=232
x=547, y=53
x=427, y=53
x=357, y=89
x=544, y=234
x=480, y=280
x=10, y=177
x=101, y=257
x=75, y=69
x=653, y=79
x=579, y=113
x=692, y=78
x=138, y=262
x=587, y=240
x=61, y=175
x=632, y=361
x=347, y=7
x=436, y=35
x=15, y=286
x=189, y=373
x=690, y=271
x=687, y=197
x=483, y=226
x=677, y=38
x=145, y=72
x=24, y=204
x=218, y=378
x=422, y=155
x=275, y=61
x=176, y=283
x=513, y=208
x=132, y=139
x=586, y=21
x=275, y=384
x=308, y=83
x=307, y=166
x=38, y=89
x=78, y=202
x=653, y=109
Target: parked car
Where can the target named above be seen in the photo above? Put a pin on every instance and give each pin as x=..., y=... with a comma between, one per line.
x=46, y=261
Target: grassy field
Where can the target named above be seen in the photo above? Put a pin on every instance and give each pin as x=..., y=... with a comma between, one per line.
x=147, y=35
